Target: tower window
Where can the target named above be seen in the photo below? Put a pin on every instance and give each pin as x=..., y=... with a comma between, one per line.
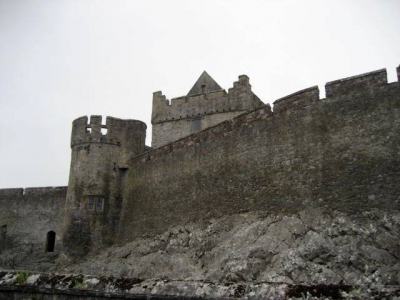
x=100, y=204
x=195, y=125
x=203, y=88
x=96, y=203
x=91, y=203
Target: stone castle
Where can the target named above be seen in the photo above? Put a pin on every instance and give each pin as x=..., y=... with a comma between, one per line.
x=214, y=153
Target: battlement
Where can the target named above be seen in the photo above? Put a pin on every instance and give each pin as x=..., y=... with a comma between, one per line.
x=362, y=83
x=238, y=98
x=353, y=86
x=301, y=98
x=114, y=132
x=336, y=153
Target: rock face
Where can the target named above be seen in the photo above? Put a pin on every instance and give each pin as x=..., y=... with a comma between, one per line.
x=314, y=254
x=310, y=248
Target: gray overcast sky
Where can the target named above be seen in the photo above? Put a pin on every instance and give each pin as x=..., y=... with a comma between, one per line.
x=60, y=60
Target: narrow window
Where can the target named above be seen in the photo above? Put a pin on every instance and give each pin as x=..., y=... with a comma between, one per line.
x=50, y=241
x=91, y=203
x=195, y=125
x=100, y=204
x=203, y=88
x=4, y=232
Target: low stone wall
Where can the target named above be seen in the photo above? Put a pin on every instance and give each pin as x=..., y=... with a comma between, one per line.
x=26, y=218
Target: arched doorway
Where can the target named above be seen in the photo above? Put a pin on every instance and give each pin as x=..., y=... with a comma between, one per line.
x=50, y=241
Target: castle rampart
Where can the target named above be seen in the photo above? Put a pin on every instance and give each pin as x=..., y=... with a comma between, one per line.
x=308, y=152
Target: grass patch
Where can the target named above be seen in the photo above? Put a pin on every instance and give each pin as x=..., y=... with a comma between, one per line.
x=22, y=276
x=79, y=283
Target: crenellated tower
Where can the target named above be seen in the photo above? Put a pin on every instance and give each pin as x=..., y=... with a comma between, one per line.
x=206, y=105
x=99, y=160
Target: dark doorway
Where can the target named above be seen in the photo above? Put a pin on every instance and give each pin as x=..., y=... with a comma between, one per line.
x=50, y=241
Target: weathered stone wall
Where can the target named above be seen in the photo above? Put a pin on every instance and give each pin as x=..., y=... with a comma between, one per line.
x=26, y=216
x=171, y=121
x=339, y=153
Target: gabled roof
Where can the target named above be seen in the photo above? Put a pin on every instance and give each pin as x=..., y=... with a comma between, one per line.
x=205, y=84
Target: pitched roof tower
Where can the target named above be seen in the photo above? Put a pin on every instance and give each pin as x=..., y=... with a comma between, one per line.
x=206, y=105
x=204, y=85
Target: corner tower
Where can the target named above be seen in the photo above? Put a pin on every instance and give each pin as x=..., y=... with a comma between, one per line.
x=205, y=105
x=100, y=155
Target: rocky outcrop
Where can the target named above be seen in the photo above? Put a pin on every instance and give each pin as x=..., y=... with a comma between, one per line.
x=313, y=247
x=316, y=253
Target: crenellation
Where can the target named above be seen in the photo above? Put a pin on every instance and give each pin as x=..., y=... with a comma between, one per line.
x=244, y=81
x=297, y=100
x=88, y=132
x=362, y=83
x=398, y=73
x=160, y=99
x=95, y=128
x=95, y=120
x=117, y=131
x=79, y=130
x=293, y=101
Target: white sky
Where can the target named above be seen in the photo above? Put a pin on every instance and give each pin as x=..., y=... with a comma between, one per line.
x=60, y=60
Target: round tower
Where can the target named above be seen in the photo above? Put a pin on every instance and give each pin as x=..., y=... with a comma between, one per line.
x=100, y=157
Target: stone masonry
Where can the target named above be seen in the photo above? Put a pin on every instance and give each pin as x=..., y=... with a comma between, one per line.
x=231, y=194
x=206, y=104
